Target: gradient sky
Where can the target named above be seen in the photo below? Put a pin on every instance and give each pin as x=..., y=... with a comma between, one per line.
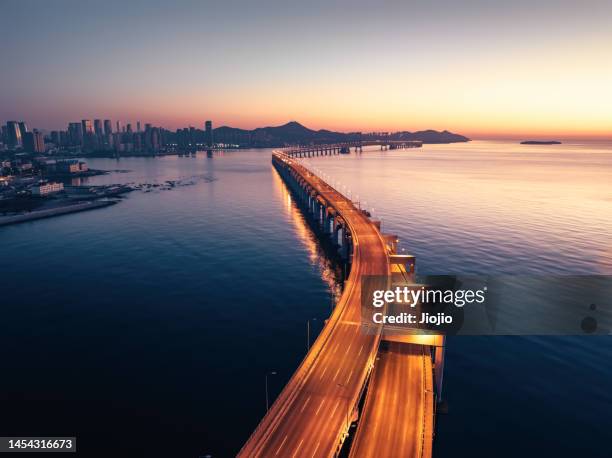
x=481, y=68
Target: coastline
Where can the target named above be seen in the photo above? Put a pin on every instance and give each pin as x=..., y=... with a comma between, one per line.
x=64, y=210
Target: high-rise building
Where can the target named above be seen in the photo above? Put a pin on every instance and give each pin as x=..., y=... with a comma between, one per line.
x=55, y=137
x=64, y=141
x=138, y=127
x=118, y=127
x=155, y=139
x=192, y=137
x=13, y=135
x=23, y=128
x=34, y=142
x=75, y=132
x=39, y=142
x=98, y=127
x=87, y=126
x=129, y=128
x=108, y=127
x=209, y=134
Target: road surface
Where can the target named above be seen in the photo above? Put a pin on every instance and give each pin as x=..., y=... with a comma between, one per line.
x=397, y=419
x=313, y=411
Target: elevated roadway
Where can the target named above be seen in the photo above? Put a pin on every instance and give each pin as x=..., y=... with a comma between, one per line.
x=312, y=415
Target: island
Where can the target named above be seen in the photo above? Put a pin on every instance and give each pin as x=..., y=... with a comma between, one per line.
x=536, y=142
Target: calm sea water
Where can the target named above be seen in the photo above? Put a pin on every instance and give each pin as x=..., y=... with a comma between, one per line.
x=147, y=328
x=503, y=208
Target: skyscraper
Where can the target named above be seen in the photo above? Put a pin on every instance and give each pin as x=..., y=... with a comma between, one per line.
x=23, y=128
x=98, y=127
x=118, y=127
x=129, y=128
x=87, y=126
x=34, y=142
x=138, y=127
x=108, y=127
x=13, y=134
x=209, y=134
x=75, y=132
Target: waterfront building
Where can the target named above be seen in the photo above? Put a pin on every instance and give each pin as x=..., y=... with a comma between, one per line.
x=108, y=127
x=46, y=188
x=71, y=166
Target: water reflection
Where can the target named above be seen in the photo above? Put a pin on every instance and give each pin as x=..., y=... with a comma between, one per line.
x=330, y=272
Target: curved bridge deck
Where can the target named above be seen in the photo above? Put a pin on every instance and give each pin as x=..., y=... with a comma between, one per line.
x=312, y=415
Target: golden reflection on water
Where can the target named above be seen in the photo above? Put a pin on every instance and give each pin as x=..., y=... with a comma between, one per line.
x=307, y=237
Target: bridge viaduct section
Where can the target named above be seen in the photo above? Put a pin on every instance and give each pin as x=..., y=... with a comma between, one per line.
x=312, y=415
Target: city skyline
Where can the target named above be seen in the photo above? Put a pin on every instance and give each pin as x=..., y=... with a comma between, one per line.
x=483, y=70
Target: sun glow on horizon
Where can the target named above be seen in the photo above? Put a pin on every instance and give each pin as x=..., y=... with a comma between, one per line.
x=480, y=70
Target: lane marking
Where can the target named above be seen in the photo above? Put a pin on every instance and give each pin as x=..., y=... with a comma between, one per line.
x=320, y=405
x=306, y=403
x=281, y=445
x=349, y=347
x=315, y=450
x=333, y=411
x=349, y=377
x=322, y=373
x=360, y=350
x=297, y=449
x=336, y=375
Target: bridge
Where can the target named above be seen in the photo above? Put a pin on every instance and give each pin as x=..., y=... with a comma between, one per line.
x=345, y=147
x=312, y=416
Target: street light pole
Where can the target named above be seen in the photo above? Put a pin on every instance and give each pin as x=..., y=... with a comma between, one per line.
x=267, y=396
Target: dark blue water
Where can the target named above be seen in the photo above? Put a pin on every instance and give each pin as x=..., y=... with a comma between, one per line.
x=146, y=328
x=503, y=208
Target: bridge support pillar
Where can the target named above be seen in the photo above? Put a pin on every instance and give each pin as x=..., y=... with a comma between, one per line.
x=337, y=239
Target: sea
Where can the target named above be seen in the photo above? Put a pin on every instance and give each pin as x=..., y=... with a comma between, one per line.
x=152, y=327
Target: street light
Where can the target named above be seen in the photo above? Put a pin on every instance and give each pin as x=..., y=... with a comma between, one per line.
x=267, y=396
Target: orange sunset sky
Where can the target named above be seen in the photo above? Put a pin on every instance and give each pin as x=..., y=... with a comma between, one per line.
x=483, y=69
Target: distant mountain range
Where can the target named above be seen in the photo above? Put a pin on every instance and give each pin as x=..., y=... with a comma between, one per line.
x=295, y=133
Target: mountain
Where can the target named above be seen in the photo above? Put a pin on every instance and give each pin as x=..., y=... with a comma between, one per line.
x=431, y=136
x=294, y=133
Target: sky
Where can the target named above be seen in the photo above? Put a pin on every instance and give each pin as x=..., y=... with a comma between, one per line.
x=481, y=68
